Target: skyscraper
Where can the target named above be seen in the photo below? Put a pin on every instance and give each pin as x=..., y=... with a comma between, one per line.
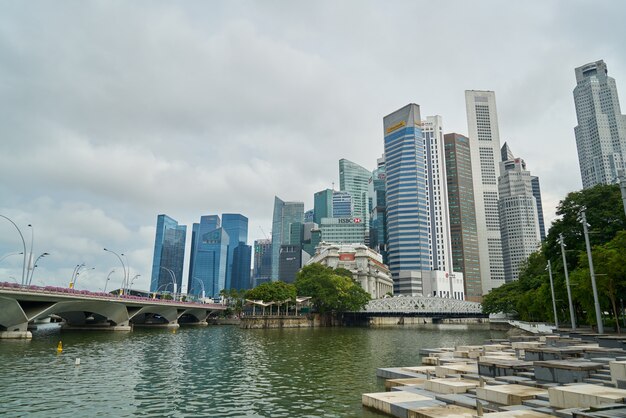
x=537, y=193
x=354, y=179
x=322, y=205
x=407, y=193
x=209, y=257
x=484, y=136
x=169, y=254
x=262, y=261
x=236, y=226
x=378, y=210
x=285, y=214
x=601, y=130
x=519, y=219
x=463, y=235
x=439, y=216
x=342, y=204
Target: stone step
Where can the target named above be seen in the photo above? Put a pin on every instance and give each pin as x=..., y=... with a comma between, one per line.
x=599, y=382
x=530, y=375
x=600, y=376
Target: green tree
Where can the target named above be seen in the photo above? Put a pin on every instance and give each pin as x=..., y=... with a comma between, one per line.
x=278, y=292
x=331, y=290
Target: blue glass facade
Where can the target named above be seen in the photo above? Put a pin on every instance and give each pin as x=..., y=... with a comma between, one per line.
x=242, y=260
x=169, y=253
x=342, y=205
x=378, y=212
x=236, y=226
x=407, y=206
x=209, y=257
x=322, y=205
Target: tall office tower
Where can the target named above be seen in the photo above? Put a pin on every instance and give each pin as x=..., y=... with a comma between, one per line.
x=309, y=215
x=242, y=259
x=342, y=204
x=537, y=193
x=262, y=261
x=342, y=230
x=378, y=211
x=209, y=257
x=285, y=214
x=407, y=191
x=322, y=205
x=236, y=226
x=601, y=130
x=354, y=179
x=463, y=234
x=519, y=219
x=484, y=136
x=169, y=254
x=439, y=227
x=308, y=243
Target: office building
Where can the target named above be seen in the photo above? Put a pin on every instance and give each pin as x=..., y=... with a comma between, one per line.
x=378, y=210
x=342, y=230
x=262, y=261
x=236, y=226
x=291, y=260
x=407, y=192
x=209, y=257
x=169, y=255
x=322, y=205
x=285, y=214
x=537, y=193
x=601, y=130
x=354, y=179
x=463, y=234
x=519, y=219
x=484, y=136
x=365, y=264
x=439, y=217
x=342, y=204
x=309, y=216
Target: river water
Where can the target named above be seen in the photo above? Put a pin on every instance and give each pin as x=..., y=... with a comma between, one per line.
x=215, y=371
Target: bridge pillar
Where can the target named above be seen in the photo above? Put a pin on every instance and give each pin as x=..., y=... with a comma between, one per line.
x=19, y=331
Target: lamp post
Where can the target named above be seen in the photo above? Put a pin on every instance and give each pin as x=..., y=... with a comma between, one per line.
x=78, y=273
x=173, y=276
x=23, y=243
x=32, y=271
x=202, y=285
x=123, y=267
x=596, y=302
x=76, y=268
x=9, y=255
x=132, y=281
x=556, y=318
x=572, y=315
x=30, y=265
x=107, y=281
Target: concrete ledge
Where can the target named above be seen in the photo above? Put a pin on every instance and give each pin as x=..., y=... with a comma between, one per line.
x=16, y=335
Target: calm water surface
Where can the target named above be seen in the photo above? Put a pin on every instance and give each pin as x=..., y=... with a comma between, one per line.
x=216, y=371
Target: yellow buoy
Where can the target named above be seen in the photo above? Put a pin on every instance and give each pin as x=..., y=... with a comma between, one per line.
x=60, y=347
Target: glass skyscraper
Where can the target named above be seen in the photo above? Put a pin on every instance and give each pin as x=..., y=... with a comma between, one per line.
x=262, y=261
x=354, y=179
x=209, y=257
x=169, y=253
x=236, y=226
x=322, y=205
x=378, y=211
x=342, y=204
x=407, y=194
x=285, y=214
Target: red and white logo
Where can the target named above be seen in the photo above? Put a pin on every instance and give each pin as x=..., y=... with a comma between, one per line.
x=357, y=220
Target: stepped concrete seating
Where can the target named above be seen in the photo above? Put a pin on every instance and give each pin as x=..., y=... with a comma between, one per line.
x=584, y=395
x=565, y=371
x=508, y=394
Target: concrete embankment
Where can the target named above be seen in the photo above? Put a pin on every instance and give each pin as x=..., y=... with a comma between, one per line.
x=417, y=320
x=304, y=321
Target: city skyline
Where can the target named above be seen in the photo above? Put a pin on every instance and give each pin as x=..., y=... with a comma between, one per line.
x=89, y=157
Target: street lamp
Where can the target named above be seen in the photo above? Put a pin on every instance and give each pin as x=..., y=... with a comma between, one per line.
x=78, y=273
x=572, y=316
x=583, y=219
x=556, y=319
x=30, y=255
x=9, y=255
x=132, y=281
x=173, y=276
x=123, y=267
x=76, y=268
x=107, y=281
x=201, y=284
x=23, y=243
x=32, y=271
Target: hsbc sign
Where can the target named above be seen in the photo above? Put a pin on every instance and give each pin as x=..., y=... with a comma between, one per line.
x=349, y=220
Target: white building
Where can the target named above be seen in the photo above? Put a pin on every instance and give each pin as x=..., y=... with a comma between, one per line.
x=439, y=228
x=365, y=264
x=519, y=220
x=484, y=135
x=601, y=130
x=347, y=230
x=431, y=283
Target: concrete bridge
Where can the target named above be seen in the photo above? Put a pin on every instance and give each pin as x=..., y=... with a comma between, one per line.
x=21, y=306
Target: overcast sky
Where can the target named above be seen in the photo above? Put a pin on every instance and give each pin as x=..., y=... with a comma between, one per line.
x=114, y=112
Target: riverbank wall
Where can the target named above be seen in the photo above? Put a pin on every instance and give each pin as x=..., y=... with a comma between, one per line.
x=311, y=321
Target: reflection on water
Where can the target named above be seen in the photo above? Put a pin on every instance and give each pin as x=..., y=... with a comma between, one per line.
x=211, y=371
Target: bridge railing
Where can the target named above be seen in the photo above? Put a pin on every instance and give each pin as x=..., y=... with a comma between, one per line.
x=111, y=296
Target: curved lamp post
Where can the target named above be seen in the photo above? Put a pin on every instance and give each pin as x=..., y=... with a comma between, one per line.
x=9, y=255
x=133, y=281
x=78, y=273
x=32, y=271
x=201, y=284
x=123, y=267
x=173, y=276
x=23, y=243
x=107, y=281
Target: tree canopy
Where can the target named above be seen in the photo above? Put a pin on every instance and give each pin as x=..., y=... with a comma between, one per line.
x=529, y=297
x=331, y=290
x=277, y=291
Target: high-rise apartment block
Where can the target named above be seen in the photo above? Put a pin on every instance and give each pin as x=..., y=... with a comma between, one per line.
x=463, y=234
x=285, y=214
x=484, y=136
x=601, y=130
x=169, y=255
x=519, y=220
